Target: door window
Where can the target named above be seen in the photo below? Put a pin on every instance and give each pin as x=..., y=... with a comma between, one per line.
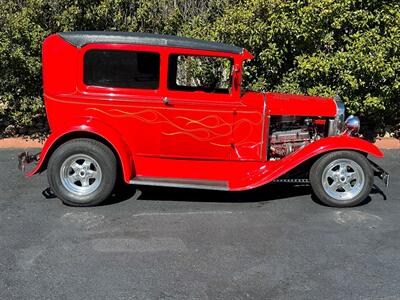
x=209, y=74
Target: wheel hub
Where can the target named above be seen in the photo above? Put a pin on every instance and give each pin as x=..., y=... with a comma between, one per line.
x=80, y=174
x=343, y=179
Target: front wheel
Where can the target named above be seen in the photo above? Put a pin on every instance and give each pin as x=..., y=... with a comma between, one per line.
x=341, y=178
x=82, y=172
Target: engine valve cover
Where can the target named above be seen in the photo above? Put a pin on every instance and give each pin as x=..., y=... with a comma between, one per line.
x=289, y=136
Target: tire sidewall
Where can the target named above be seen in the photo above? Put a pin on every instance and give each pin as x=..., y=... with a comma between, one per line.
x=319, y=166
x=98, y=151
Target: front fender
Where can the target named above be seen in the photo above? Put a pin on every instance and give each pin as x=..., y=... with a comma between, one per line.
x=274, y=169
x=93, y=127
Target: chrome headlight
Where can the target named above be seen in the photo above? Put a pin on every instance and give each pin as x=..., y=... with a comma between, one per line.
x=352, y=124
x=336, y=125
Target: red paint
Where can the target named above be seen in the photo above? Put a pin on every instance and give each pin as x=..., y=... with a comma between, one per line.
x=286, y=104
x=200, y=136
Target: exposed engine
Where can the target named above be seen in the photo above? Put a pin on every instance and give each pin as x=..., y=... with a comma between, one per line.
x=287, y=134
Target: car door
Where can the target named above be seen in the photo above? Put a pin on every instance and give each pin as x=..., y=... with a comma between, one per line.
x=198, y=111
x=121, y=86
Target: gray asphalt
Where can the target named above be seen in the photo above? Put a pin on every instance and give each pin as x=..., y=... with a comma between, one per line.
x=160, y=243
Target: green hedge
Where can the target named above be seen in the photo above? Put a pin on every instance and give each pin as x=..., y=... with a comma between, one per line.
x=316, y=47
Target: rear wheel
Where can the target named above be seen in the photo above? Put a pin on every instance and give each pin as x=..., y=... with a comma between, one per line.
x=82, y=172
x=341, y=178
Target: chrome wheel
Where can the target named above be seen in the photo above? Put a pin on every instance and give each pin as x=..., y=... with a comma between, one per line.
x=343, y=179
x=80, y=174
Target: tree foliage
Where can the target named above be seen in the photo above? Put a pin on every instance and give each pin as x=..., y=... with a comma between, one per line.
x=316, y=47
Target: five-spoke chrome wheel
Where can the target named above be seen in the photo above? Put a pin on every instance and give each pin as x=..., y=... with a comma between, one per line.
x=343, y=179
x=80, y=174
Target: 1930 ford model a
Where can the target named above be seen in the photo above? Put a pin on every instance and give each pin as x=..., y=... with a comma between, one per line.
x=169, y=111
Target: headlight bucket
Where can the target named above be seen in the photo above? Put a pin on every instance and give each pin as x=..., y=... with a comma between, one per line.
x=352, y=125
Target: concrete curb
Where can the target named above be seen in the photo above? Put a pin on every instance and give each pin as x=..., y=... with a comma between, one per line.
x=20, y=143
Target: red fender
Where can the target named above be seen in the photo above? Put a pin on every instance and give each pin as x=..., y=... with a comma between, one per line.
x=274, y=169
x=93, y=126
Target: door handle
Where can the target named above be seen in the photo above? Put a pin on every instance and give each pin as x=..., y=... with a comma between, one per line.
x=167, y=101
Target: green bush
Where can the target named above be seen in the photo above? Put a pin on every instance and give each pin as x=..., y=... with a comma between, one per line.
x=320, y=47
x=25, y=24
x=315, y=47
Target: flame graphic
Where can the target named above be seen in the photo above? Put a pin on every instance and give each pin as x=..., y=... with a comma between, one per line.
x=206, y=129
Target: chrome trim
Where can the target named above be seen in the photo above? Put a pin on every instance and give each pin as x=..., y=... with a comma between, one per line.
x=218, y=185
x=82, y=169
x=267, y=136
x=343, y=179
x=340, y=113
x=167, y=101
x=336, y=127
x=263, y=126
x=331, y=127
x=352, y=125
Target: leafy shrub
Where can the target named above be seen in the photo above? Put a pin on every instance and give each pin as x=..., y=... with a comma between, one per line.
x=320, y=47
x=315, y=47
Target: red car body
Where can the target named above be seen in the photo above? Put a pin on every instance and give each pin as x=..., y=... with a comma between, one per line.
x=218, y=140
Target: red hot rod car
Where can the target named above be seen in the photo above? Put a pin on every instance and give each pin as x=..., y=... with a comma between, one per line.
x=170, y=111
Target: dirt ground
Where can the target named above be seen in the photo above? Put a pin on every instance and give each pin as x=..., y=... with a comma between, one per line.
x=22, y=143
x=19, y=142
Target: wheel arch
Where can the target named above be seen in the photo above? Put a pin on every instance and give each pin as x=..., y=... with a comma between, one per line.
x=307, y=164
x=117, y=146
x=309, y=153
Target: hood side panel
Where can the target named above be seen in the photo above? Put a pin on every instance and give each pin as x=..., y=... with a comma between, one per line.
x=298, y=105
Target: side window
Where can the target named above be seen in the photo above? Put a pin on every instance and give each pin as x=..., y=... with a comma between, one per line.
x=199, y=73
x=123, y=69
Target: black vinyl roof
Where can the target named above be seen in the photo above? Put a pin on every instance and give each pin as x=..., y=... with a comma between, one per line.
x=82, y=38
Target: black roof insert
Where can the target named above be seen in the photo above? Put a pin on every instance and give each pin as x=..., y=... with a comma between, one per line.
x=82, y=38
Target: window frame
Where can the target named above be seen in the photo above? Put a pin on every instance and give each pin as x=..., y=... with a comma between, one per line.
x=230, y=59
x=90, y=63
x=118, y=91
x=195, y=96
x=156, y=96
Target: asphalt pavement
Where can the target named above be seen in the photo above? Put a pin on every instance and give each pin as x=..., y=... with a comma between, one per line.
x=275, y=242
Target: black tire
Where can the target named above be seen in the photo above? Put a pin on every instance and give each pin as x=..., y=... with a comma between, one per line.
x=103, y=157
x=324, y=162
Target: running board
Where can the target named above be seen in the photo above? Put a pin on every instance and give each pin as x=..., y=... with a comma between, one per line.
x=218, y=185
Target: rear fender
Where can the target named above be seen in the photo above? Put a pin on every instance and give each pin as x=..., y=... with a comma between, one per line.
x=91, y=127
x=274, y=169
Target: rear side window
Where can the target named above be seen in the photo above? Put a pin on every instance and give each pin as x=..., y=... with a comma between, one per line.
x=122, y=69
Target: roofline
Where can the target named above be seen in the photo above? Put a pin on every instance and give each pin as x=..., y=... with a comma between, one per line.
x=82, y=38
